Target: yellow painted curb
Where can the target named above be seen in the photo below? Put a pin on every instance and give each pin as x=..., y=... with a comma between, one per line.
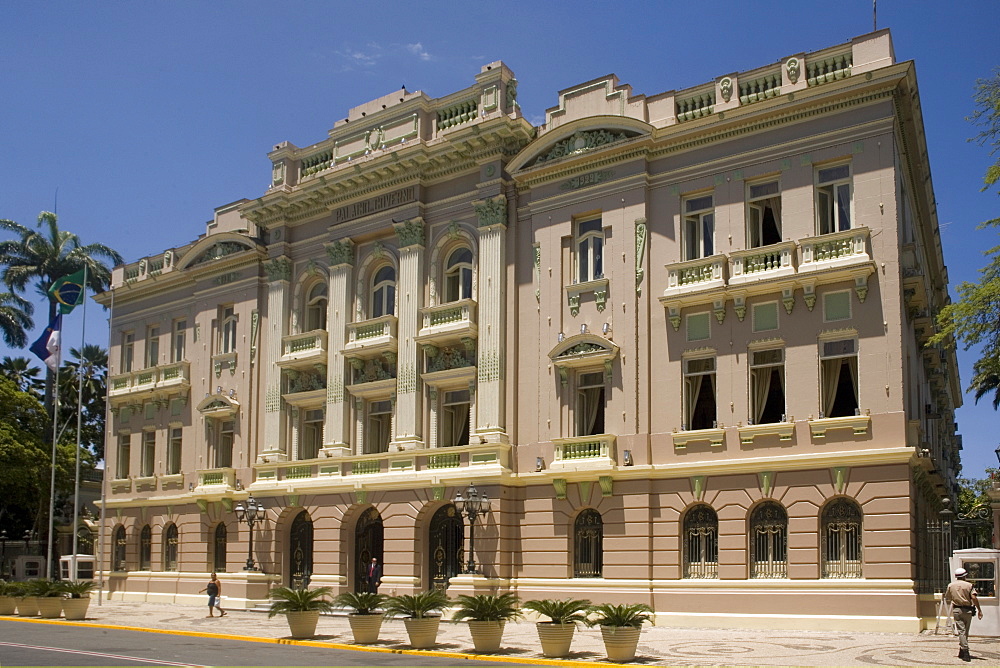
x=313, y=643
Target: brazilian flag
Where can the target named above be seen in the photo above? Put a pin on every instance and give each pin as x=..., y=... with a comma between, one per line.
x=68, y=291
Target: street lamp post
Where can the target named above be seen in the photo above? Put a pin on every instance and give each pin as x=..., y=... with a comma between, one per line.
x=472, y=506
x=250, y=514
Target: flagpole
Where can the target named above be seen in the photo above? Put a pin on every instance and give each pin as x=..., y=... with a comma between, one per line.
x=52, y=484
x=79, y=426
x=104, y=478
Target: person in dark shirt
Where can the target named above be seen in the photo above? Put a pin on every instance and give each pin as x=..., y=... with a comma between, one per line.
x=214, y=590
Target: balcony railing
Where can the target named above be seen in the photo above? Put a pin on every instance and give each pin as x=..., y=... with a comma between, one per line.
x=306, y=348
x=224, y=477
x=448, y=461
x=700, y=273
x=448, y=322
x=760, y=263
x=596, y=449
x=837, y=248
x=376, y=335
x=174, y=376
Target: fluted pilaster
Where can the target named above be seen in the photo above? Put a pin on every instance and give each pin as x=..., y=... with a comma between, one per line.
x=336, y=417
x=489, y=412
x=279, y=271
x=409, y=407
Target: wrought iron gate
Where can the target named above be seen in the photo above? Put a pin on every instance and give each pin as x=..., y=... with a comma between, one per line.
x=367, y=544
x=300, y=551
x=447, y=537
x=973, y=528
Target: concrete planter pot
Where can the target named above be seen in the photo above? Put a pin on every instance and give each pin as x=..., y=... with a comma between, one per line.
x=555, y=638
x=76, y=608
x=50, y=607
x=365, y=628
x=422, y=631
x=8, y=605
x=302, y=624
x=486, y=636
x=620, y=642
x=27, y=606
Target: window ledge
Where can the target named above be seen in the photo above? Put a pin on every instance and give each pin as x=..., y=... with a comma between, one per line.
x=171, y=479
x=599, y=286
x=145, y=481
x=783, y=430
x=715, y=436
x=858, y=423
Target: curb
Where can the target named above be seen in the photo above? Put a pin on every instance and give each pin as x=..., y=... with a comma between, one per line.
x=313, y=643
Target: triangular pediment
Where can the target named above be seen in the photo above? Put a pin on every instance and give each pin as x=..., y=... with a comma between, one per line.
x=218, y=405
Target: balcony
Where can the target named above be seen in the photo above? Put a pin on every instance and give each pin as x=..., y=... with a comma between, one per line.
x=369, y=338
x=299, y=351
x=583, y=452
x=766, y=263
x=700, y=275
x=224, y=361
x=220, y=479
x=448, y=323
x=157, y=381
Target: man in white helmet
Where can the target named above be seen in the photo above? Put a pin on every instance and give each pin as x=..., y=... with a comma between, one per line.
x=962, y=595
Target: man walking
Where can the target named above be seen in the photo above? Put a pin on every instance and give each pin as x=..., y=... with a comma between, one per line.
x=374, y=575
x=962, y=595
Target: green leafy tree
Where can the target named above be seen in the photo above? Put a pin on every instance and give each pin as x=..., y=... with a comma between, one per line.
x=972, y=492
x=974, y=320
x=23, y=374
x=46, y=254
x=15, y=319
x=92, y=363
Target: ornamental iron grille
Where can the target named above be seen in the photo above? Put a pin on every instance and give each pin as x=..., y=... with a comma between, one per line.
x=300, y=550
x=170, y=542
x=769, y=541
x=973, y=528
x=447, y=537
x=932, y=560
x=701, y=543
x=588, y=541
x=368, y=537
x=119, y=542
x=85, y=541
x=145, y=548
x=219, y=552
x=842, y=539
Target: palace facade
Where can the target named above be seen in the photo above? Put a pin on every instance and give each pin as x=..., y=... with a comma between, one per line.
x=677, y=341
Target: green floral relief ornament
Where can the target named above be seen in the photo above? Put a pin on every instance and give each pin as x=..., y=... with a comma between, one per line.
x=279, y=269
x=340, y=252
x=410, y=233
x=492, y=212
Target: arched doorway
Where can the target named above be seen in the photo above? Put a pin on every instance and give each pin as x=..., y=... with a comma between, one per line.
x=367, y=544
x=447, y=537
x=300, y=551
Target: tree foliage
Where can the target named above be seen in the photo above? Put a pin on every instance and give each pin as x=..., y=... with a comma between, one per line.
x=973, y=492
x=974, y=320
x=15, y=319
x=91, y=363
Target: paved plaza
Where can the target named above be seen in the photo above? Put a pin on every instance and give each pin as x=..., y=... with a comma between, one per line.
x=658, y=646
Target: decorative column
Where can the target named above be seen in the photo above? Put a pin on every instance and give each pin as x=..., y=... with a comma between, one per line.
x=341, y=257
x=489, y=414
x=410, y=290
x=279, y=273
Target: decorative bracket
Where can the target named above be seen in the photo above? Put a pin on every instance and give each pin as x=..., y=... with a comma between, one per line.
x=559, y=484
x=698, y=487
x=607, y=485
x=839, y=478
x=766, y=479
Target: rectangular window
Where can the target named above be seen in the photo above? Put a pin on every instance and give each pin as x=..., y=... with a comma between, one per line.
x=149, y=410
x=311, y=436
x=767, y=386
x=839, y=378
x=454, y=420
x=128, y=351
x=224, y=444
x=174, y=451
x=152, y=346
x=590, y=403
x=837, y=306
x=699, y=393
x=833, y=199
x=765, y=317
x=148, y=453
x=763, y=214
x=699, y=326
x=379, y=430
x=124, y=455
x=227, y=329
x=178, y=342
x=590, y=250
x=699, y=227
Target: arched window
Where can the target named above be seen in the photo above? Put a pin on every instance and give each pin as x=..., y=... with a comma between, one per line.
x=118, y=549
x=219, y=552
x=384, y=292
x=315, y=314
x=769, y=541
x=588, y=541
x=170, y=548
x=701, y=542
x=145, y=548
x=458, y=276
x=841, y=539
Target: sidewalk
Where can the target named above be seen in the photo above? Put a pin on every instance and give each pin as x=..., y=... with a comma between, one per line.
x=657, y=646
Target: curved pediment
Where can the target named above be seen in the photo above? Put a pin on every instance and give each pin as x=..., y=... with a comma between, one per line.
x=218, y=405
x=215, y=247
x=583, y=349
x=577, y=138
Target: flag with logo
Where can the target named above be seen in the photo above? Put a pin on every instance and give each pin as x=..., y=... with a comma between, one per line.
x=68, y=291
x=47, y=345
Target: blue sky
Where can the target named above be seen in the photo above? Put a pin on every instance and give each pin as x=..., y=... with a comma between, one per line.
x=145, y=116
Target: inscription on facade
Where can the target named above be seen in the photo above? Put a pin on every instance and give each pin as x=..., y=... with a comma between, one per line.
x=375, y=204
x=585, y=180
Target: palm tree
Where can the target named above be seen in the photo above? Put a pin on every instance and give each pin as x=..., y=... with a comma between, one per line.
x=47, y=254
x=15, y=319
x=25, y=376
x=92, y=363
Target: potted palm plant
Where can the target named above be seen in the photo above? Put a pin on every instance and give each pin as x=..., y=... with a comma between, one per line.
x=27, y=604
x=487, y=614
x=77, y=600
x=48, y=595
x=365, y=621
x=620, y=626
x=556, y=635
x=8, y=603
x=417, y=613
x=301, y=608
